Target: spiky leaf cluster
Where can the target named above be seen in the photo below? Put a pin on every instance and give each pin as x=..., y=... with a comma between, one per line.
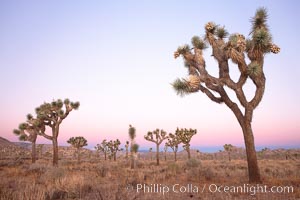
x=260, y=19
x=77, y=142
x=221, y=32
x=254, y=69
x=198, y=43
x=181, y=87
x=183, y=49
x=261, y=41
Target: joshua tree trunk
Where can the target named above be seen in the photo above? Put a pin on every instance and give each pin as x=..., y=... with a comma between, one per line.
x=33, y=152
x=157, y=154
x=104, y=155
x=55, y=131
x=188, y=151
x=229, y=157
x=253, y=170
x=175, y=155
x=78, y=155
x=133, y=160
x=55, y=152
x=115, y=156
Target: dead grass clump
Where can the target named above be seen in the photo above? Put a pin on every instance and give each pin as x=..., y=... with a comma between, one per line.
x=52, y=174
x=72, y=186
x=103, y=171
x=192, y=163
x=173, y=168
x=37, y=168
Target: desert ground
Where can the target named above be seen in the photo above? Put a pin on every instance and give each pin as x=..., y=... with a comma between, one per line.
x=204, y=176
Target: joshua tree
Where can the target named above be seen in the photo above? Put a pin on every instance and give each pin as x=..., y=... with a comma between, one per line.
x=150, y=152
x=29, y=131
x=185, y=136
x=157, y=136
x=126, y=148
x=234, y=49
x=114, y=148
x=133, y=147
x=78, y=143
x=103, y=147
x=262, y=152
x=173, y=142
x=228, y=148
x=52, y=114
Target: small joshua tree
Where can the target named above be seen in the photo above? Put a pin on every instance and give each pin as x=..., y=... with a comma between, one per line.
x=185, y=136
x=52, y=115
x=133, y=146
x=29, y=132
x=262, y=152
x=114, y=148
x=228, y=148
x=126, y=148
x=103, y=147
x=157, y=136
x=173, y=142
x=236, y=48
x=150, y=152
x=78, y=143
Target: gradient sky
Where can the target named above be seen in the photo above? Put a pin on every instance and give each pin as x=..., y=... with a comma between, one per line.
x=116, y=58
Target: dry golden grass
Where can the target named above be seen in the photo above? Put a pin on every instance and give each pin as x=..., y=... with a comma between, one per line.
x=99, y=179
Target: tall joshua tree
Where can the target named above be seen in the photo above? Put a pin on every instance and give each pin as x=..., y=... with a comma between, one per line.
x=234, y=49
x=173, y=142
x=185, y=136
x=157, y=136
x=29, y=131
x=228, y=149
x=52, y=114
x=103, y=147
x=133, y=146
x=114, y=147
x=78, y=143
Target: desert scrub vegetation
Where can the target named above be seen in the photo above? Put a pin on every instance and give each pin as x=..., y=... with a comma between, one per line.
x=110, y=179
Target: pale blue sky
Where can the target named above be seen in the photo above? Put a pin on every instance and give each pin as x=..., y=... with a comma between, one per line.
x=116, y=58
